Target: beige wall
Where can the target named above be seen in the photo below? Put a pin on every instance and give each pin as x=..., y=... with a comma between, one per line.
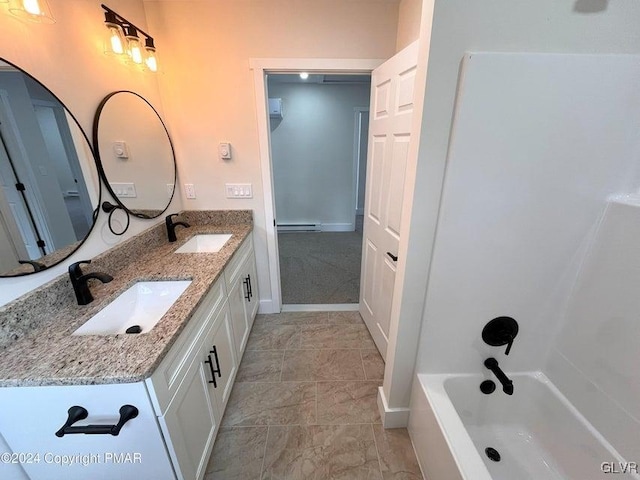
x=68, y=58
x=409, y=14
x=208, y=89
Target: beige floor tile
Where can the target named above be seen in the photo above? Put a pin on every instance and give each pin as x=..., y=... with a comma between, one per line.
x=314, y=365
x=335, y=336
x=342, y=318
x=237, y=454
x=260, y=366
x=373, y=364
x=397, y=458
x=347, y=403
x=341, y=452
x=293, y=318
x=273, y=337
x=282, y=403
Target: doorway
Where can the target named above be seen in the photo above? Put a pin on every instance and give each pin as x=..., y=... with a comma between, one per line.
x=269, y=268
x=318, y=144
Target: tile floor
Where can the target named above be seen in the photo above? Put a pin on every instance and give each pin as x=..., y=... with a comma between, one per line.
x=304, y=406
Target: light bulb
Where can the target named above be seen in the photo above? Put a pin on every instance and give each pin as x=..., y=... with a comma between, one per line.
x=135, y=52
x=115, y=40
x=133, y=44
x=32, y=7
x=304, y=75
x=151, y=61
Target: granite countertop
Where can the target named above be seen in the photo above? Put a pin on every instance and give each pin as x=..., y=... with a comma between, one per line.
x=49, y=355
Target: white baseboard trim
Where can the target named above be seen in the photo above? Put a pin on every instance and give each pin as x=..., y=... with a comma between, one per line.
x=266, y=306
x=337, y=227
x=391, y=417
x=321, y=307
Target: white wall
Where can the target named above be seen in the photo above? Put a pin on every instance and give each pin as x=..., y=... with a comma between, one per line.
x=496, y=25
x=312, y=150
x=208, y=88
x=538, y=144
x=68, y=58
x=596, y=356
x=409, y=16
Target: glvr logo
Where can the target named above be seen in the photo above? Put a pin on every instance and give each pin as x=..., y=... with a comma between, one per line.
x=619, y=467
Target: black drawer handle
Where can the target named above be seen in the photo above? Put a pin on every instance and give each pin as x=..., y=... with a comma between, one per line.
x=76, y=413
x=215, y=355
x=247, y=284
x=213, y=372
x=392, y=256
x=250, y=287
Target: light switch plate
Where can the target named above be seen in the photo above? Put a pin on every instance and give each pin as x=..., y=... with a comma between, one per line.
x=190, y=190
x=124, y=190
x=238, y=190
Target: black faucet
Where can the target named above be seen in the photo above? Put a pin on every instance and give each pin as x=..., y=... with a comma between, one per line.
x=79, y=281
x=507, y=384
x=171, y=227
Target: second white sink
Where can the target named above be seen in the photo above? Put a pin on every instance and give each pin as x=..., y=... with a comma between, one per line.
x=142, y=305
x=205, y=243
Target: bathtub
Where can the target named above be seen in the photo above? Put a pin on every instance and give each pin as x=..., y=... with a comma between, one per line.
x=537, y=432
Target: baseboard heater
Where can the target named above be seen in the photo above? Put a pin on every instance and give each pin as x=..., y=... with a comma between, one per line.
x=299, y=227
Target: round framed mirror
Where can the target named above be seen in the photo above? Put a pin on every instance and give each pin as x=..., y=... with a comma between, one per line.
x=49, y=185
x=135, y=154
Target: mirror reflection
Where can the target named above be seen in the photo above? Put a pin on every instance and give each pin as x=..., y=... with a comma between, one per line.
x=49, y=186
x=135, y=154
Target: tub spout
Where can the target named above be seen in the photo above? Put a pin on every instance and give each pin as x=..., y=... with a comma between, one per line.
x=507, y=384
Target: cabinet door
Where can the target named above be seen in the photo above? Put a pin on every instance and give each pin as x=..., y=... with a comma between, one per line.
x=219, y=346
x=239, y=322
x=190, y=422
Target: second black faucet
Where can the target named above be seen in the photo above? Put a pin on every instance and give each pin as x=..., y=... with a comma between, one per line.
x=171, y=226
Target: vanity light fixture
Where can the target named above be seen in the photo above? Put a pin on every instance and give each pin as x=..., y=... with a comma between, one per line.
x=123, y=38
x=304, y=75
x=33, y=10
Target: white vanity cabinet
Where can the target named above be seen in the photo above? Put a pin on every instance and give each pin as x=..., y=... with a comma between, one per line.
x=180, y=406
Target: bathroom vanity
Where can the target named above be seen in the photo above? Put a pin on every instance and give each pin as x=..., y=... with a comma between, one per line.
x=178, y=375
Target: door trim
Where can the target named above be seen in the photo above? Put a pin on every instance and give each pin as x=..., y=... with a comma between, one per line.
x=260, y=67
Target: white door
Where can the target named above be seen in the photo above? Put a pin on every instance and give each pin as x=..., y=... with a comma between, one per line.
x=392, y=85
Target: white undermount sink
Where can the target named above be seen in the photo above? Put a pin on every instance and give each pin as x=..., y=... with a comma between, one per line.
x=205, y=243
x=143, y=304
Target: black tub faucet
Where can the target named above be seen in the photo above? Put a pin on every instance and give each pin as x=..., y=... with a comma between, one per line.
x=171, y=226
x=507, y=384
x=79, y=281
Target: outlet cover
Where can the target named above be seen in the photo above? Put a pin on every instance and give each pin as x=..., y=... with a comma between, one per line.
x=190, y=190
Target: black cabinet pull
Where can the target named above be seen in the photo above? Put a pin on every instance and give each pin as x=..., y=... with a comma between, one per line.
x=215, y=355
x=247, y=293
x=250, y=288
x=392, y=256
x=213, y=372
x=76, y=413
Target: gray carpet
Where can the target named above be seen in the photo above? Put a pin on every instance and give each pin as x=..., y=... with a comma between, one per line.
x=320, y=267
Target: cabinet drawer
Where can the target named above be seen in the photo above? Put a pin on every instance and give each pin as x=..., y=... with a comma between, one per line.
x=167, y=378
x=233, y=270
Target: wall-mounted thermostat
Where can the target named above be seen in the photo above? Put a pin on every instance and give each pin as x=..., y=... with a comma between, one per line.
x=120, y=150
x=275, y=108
x=224, y=149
